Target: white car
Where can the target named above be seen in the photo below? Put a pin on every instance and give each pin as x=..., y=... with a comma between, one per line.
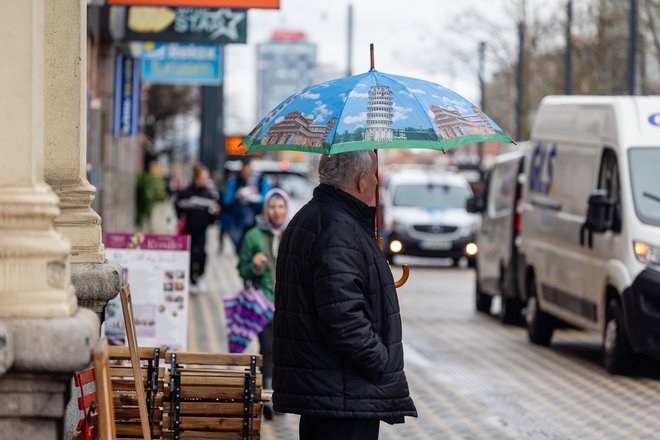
x=424, y=213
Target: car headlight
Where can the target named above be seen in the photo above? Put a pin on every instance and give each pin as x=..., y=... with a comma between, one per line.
x=399, y=227
x=469, y=230
x=646, y=253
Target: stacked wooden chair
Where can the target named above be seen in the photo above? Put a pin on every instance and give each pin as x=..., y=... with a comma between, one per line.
x=201, y=395
x=124, y=397
x=213, y=396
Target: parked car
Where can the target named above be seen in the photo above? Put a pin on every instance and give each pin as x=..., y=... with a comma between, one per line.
x=425, y=215
x=591, y=223
x=499, y=261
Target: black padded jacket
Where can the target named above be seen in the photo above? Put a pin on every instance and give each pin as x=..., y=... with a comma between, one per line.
x=337, y=348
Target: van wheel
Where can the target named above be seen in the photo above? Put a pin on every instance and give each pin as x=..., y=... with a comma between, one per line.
x=483, y=300
x=618, y=356
x=540, y=325
x=511, y=311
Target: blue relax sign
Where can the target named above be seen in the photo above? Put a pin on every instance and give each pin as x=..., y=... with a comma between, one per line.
x=174, y=63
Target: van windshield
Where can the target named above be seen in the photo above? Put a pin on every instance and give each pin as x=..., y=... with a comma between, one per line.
x=432, y=195
x=644, y=177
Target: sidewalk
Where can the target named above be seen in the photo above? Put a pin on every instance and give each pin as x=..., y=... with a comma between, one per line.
x=206, y=322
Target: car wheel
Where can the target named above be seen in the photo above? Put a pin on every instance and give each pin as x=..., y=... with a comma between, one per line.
x=540, y=325
x=618, y=356
x=456, y=262
x=511, y=312
x=472, y=262
x=483, y=300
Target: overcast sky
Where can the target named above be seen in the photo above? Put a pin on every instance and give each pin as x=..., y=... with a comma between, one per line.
x=435, y=40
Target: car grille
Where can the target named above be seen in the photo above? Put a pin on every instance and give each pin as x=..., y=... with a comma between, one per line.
x=435, y=229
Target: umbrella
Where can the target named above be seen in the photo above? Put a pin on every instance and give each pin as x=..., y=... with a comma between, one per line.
x=373, y=110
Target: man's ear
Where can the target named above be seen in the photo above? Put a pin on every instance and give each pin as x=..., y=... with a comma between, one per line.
x=361, y=182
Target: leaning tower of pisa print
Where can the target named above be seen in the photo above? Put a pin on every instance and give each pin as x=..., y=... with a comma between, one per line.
x=379, y=115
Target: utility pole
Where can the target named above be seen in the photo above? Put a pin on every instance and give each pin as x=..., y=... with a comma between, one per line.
x=568, y=63
x=212, y=142
x=349, y=42
x=632, y=47
x=482, y=89
x=520, y=70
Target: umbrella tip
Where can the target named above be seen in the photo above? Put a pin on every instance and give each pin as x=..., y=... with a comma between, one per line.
x=371, y=52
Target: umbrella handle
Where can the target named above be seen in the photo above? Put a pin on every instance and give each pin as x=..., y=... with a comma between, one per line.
x=404, y=277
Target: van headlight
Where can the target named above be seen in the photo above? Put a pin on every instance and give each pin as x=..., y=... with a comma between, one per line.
x=646, y=253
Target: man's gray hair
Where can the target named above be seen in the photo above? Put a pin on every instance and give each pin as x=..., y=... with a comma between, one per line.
x=342, y=168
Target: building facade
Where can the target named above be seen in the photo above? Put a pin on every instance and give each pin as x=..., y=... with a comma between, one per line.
x=380, y=114
x=285, y=65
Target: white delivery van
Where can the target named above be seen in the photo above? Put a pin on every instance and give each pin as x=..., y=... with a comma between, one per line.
x=499, y=260
x=591, y=223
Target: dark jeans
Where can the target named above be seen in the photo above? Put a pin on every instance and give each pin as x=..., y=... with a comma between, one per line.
x=266, y=350
x=197, y=254
x=330, y=428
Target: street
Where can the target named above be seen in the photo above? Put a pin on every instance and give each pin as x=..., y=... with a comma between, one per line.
x=470, y=376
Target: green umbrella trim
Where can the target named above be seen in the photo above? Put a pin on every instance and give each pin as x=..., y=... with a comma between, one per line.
x=442, y=144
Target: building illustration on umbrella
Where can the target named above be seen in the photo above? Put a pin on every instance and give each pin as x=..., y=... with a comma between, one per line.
x=295, y=128
x=452, y=123
x=380, y=115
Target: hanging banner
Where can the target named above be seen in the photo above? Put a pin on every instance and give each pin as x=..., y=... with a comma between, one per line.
x=175, y=63
x=190, y=25
x=126, y=100
x=157, y=268
x=242, y=4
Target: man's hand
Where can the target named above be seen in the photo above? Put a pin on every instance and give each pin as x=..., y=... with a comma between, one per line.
x=259, y=262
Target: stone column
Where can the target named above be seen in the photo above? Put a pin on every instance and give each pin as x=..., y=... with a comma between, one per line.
x=65, y=169
x=34, y=258
x=44, y=337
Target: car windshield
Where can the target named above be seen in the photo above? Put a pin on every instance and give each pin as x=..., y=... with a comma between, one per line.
x=431, y=195
x=644, y=177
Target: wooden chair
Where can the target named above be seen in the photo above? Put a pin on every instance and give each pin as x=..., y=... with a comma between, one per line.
x=87, y=428
x=213, y=396
x=129, y=324
x=125, y=401
x=106, y=414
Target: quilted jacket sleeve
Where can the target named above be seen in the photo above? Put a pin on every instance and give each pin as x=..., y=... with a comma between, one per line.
x=339, y=282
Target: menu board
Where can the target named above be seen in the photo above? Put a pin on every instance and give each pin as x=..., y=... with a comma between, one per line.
x=157, y=268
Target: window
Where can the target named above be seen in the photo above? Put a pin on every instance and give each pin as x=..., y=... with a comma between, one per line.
x=608, y=179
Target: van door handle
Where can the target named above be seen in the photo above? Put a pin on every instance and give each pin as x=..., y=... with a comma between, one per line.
x=547, y=204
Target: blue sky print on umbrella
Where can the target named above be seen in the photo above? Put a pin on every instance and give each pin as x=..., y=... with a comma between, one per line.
x=373, y=110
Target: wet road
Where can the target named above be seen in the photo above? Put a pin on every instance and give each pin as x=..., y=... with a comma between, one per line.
x=473, y=378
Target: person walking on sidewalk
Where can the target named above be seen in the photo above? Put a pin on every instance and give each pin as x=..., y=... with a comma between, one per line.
x=243, y=198
x=338, y=355
x=197, y=207
x=257, y=260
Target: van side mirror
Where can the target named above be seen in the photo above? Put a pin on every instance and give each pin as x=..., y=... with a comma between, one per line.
x=475, y=205
x=600, y=215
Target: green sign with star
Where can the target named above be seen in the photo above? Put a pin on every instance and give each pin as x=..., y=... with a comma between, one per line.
x=193, y=25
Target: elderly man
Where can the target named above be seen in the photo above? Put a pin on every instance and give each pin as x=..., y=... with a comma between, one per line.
x=338, y=354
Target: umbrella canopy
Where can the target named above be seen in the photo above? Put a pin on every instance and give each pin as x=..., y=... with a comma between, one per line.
x=371, y=111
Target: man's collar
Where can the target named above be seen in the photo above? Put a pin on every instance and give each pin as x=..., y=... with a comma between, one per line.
x=357, y=208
